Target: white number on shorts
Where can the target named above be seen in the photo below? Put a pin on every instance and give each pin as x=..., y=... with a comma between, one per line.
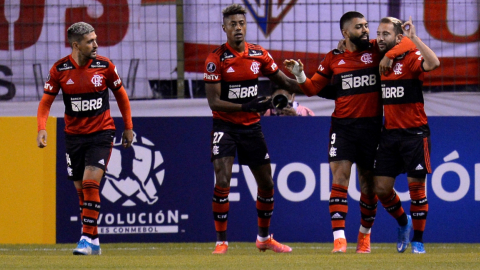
x=217, y=136
x=333, y=138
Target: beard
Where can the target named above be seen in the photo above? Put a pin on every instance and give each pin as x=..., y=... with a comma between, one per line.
x=388, y=46
x=361, y=44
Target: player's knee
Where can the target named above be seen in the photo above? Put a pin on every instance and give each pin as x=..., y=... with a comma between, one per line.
x=381, y=190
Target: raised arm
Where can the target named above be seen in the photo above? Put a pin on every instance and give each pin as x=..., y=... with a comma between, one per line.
x=285, y=82
x=431, y=61
x=309, y=87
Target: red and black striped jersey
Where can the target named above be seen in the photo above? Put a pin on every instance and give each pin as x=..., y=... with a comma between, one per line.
x=85, y=93
x=402, y=95
x=356, y=79
x=238, y=75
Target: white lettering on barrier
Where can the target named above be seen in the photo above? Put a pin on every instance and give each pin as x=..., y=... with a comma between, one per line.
x=353, y=191
x=138, y=229
x=437, y=181
x=282, y=184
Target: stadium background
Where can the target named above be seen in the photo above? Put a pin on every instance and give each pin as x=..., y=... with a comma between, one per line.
x=159, y=48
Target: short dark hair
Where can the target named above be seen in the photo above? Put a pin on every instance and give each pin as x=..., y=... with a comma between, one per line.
x=397, y=24
x=233, y=10
x=348, y=17
x=76, y=31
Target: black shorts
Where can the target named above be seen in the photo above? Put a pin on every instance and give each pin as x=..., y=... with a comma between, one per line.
x=355, y=144
x=228, y=139
x=403, y=154
x=88, y=150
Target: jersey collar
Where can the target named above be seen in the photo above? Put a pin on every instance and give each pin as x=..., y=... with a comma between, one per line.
x=75, y=63
x=245, y=52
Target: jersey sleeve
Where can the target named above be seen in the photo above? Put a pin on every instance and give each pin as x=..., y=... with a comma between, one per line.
x=212, y=72
x=402, y=47
x=52, y=85
x=324, y=67
x=320, y=79
x=113, y=79
x=415, y=61
x=269, y=67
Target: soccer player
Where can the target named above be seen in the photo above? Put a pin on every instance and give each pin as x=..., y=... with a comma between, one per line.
x=405, y=140
x=84, y=78
x=231, y=77
x=356, y=120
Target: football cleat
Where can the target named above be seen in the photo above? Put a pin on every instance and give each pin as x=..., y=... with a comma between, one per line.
x=273, y=245
x=340, y=245
x=404, y=235
x=96, y=250
x=83, y=248
x=417, y=248
x=363, y=243
x=221, y=248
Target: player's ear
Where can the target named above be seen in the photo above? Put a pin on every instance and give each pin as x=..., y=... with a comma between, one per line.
x=399, y=38
x=223, y=27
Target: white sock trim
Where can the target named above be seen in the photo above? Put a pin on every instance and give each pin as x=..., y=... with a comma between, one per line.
x=338, y=234
x=365, y=230
x=221, y=242
x=263, y=239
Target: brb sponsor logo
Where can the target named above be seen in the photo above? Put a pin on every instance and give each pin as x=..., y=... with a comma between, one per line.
x=392, y=92
x=79, y=105
x=349, y=81
x=237, y=91
x=440, y=176
x=133, y=180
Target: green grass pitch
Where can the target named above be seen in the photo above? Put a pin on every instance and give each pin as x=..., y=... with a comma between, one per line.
x=239, y=256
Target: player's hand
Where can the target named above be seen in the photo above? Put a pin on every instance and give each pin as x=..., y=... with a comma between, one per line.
x=296, y=68
x=293, y=66
x=409, y=29
x=127, y=138
x=42, y=138
x=259, y=104
x=385, y=65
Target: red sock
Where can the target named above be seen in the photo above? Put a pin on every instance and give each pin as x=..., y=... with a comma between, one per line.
x=220, y=206
x=368, y=209
x=91, y=208
x=418, y=205
x=392, y=204
x=338, y=206
x=264, y=207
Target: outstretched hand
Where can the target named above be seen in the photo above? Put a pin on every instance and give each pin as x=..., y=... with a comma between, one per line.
x=293, y=66
x=259, y=104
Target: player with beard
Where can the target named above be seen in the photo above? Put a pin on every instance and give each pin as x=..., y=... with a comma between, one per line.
x=405, y=140
x=356, y=120
x=84, y=78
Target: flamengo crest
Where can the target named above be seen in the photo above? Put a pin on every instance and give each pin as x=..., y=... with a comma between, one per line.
x=268, y=13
